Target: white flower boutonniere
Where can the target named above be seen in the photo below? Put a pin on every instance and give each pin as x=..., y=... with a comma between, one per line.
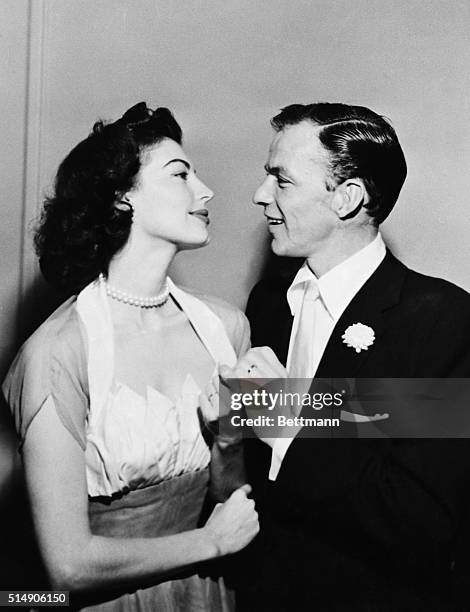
x=359, y=337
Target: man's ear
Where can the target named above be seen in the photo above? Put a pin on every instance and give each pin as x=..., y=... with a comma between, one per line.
x=349, y=198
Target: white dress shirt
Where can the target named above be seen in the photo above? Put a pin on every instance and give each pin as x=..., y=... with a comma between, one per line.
x=335, y=290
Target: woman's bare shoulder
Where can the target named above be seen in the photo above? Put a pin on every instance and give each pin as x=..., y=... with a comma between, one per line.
x=224, y=310
x=234, y=320
x=59, y=333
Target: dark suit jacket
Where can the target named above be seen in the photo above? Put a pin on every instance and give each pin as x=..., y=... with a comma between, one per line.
x=355, y=524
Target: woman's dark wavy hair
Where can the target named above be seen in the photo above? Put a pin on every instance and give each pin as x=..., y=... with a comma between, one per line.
x=360, y=144
x=80, y=228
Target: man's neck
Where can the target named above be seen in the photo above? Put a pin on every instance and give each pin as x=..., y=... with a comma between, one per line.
x=339, y=249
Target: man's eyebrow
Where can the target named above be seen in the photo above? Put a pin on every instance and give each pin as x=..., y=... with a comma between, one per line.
x=275, y=170
x=177, y=159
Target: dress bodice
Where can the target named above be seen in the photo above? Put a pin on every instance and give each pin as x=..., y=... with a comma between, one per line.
x=132, y=440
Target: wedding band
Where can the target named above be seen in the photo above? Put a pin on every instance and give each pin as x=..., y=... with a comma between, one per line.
x=251, y=368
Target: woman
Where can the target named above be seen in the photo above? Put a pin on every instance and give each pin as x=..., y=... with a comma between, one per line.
x=107, y=392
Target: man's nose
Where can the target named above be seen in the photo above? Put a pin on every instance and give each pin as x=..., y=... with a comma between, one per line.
x=264, y=194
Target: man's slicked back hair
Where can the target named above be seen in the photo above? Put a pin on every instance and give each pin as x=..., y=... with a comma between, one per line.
x=360, y=144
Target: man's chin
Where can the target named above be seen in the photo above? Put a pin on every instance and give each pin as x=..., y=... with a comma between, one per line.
x=278, y=248
x=283, y=250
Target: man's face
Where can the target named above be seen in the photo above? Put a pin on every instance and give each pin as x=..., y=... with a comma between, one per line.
x=297, y=203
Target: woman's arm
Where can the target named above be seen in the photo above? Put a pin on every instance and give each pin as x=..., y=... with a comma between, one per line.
x=227, y=466
x=9, y=459
x=75, y=558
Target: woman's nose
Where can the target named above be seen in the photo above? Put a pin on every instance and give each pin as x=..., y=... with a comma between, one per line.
x=203, y=192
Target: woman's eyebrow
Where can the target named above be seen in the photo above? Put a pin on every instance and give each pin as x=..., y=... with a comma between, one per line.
x=177, y=159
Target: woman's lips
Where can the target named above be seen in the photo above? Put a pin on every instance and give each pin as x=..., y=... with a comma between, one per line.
x=202, y=214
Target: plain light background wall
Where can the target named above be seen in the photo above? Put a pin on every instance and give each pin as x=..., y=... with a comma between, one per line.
x=13, y=62
x=224, y=68
x=13, y=87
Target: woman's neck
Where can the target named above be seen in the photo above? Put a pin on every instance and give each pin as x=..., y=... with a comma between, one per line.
x=141, y=271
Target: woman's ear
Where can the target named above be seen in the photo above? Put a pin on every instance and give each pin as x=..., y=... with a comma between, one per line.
x=349, y=198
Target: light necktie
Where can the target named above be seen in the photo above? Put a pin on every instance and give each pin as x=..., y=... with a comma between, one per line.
x=302, y=349
x=299, y=364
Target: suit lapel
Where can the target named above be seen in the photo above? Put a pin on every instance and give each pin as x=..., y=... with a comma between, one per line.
x=281, y=347
x=380, y=292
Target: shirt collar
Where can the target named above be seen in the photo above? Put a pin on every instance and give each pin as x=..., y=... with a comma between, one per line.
x=340, y=284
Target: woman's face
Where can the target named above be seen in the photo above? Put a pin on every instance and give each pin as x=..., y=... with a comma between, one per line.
x=168, y=199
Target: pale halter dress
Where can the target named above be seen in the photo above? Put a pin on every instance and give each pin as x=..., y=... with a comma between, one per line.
x=146, y=458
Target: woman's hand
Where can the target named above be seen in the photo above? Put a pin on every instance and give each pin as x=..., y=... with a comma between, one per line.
x=257, y=368
x=233, y=524
x=259, y=363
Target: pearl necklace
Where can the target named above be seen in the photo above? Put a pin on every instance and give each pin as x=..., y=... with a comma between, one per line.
x=154, y=301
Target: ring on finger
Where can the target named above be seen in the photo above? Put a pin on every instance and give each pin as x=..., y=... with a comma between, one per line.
x=252, y=368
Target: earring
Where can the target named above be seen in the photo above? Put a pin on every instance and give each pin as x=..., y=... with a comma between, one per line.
x=126, y=203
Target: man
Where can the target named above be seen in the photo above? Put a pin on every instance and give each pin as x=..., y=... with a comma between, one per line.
x=350, y=524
